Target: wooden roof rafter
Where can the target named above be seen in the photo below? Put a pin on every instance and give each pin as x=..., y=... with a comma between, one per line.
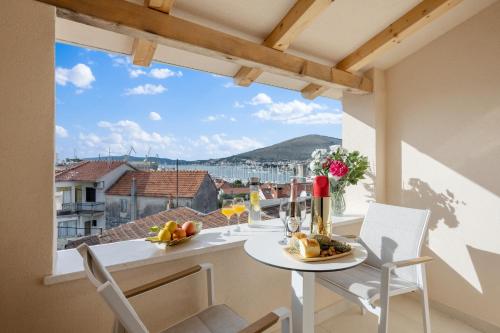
x=298, y=18
x=416, y=18
x=138, y=21
x=143, y=50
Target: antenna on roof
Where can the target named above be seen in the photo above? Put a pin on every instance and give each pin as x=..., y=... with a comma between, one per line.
x=129, y=153
x=109, y=157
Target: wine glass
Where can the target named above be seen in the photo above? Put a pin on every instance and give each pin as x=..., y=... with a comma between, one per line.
x=283, y=216
x=239, y=207
x=227, y=210
x=302, y=207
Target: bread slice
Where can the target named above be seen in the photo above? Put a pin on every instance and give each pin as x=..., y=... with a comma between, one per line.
x=309, y=248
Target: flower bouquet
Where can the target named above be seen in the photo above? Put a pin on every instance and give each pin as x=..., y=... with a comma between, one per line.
x=342, y=167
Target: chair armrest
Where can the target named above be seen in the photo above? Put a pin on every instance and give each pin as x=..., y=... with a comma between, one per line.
x=350, y=236
x=409, y=262
x=269, y=320
x=163, y=281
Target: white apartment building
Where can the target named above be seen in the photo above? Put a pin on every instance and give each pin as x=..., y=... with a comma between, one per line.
x=80, y=200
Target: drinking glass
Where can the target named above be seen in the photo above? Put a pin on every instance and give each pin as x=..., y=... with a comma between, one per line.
x=228, y=211
x=283, y=217
x=239, y=207
x=302, y=207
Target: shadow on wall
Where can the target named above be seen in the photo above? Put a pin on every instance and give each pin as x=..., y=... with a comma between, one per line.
x=418, y=194
x=369, y=185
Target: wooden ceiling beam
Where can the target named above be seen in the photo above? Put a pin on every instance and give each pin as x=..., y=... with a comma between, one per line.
x=141, y=22
x=298, y=18
x=416, y=18
x=143, y=50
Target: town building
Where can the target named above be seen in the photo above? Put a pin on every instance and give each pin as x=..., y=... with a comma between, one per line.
x=138, y=194
x=79, y=196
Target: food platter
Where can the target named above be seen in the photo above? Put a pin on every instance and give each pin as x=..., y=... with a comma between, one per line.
x=155, y=239
x=295, y=254
x=173, y=234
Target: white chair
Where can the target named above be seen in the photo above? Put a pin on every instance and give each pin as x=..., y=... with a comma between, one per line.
x=393, y=237
x=215, y=318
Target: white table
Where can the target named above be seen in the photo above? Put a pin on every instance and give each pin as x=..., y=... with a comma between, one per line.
x=266, y=249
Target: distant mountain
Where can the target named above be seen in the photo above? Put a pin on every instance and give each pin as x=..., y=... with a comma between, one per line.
x=159, y=160
x=297, y=149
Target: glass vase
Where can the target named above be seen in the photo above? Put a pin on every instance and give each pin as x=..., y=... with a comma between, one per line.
x=338, y=203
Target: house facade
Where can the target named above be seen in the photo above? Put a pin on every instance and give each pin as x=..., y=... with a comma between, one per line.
x=80, y=198
x=138, y=194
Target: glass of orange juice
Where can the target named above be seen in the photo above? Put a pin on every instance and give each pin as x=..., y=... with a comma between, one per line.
x=227, y=210
x=239, y=207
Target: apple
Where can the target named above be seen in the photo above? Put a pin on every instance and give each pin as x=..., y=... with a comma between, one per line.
x=189, y=227
x=179, y=234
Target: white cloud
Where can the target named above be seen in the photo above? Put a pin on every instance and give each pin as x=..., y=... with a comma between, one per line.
x=163, y=73
x=80, y=76
x=119, y=60
x=230, y=84
x=61, y=132
x=218, y=117
x=260, y=98
x=133, y=73
x=156, y=73
x=216, y=75
x=146, y=89
x=120, y=136
x=219, y=145
x=298, y=112
x=90, y=139
x=238, y=105
x=154, y=116
x=320, y=118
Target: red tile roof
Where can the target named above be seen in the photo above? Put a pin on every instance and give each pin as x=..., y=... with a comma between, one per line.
x=140, y=228
x=159, y=183
x=236, y=190
x=87, y=170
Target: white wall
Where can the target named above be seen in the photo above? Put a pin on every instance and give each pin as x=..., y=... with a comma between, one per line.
x=363, y=129
x=443, y=145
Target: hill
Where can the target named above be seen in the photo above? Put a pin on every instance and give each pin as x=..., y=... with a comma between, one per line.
x=297, y=149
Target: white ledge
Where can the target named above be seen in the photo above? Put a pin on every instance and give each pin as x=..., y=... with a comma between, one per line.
x=135, y=253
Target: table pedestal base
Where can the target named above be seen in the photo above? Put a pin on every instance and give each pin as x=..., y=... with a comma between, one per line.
x=303, y=284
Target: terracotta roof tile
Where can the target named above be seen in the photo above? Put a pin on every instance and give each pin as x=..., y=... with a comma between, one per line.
x=140, y=228
x=87, y=170
x=159, y=183
x=236, y=190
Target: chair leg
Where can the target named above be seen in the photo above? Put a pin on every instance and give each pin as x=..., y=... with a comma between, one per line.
x=363, y=310
x=425, y=302
x=383, y=320
x=118, y=327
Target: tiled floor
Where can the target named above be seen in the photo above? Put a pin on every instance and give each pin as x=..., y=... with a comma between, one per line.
x=405, y=316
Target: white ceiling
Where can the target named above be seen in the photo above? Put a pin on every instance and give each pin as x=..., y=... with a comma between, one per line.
x=342, y=28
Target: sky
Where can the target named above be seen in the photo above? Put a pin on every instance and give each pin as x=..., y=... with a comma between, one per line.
x=105, y=104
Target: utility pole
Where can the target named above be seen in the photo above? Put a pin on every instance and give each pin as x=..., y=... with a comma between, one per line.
x=177, y=176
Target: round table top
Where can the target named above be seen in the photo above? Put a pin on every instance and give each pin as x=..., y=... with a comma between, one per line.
x=266, y=249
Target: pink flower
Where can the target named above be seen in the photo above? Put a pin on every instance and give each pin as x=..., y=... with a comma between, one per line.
x=338, y=169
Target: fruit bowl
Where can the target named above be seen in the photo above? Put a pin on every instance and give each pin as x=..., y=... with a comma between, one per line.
x=176, y=236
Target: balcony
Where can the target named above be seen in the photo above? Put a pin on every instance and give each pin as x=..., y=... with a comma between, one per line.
x=69, y=232
x=81, y=208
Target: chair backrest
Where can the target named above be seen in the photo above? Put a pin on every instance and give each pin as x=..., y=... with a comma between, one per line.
x=392, y=233
x=110, y=291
